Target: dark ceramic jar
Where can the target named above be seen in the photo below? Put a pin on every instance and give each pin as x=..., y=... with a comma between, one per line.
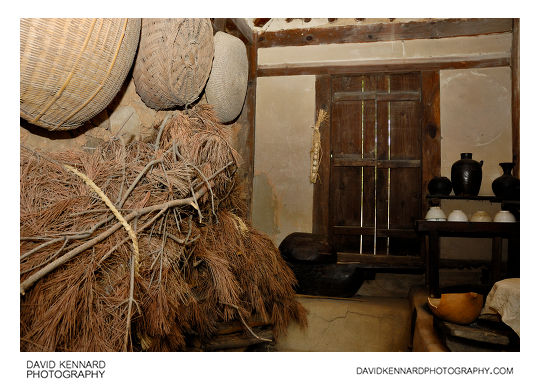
x=466, y=175
x=440, y=185
x=506, y=186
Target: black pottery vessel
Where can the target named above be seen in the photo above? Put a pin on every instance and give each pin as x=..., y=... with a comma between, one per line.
x=440, y=185
x=506, y=186
x=466, y=175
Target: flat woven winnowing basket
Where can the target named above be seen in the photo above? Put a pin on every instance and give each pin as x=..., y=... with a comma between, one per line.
x=173, y=62
x=71, y=69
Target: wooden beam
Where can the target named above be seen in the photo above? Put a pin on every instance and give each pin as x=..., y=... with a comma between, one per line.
x=260, y=22
x=359, y=230
x=321, y=189
x=218, y=25
x=394, y=65
x=431, y=132
x=356, y=160
x=249, y=157
x=383, y=262
x=383, y=32
x=244, y=29
x=515, y=96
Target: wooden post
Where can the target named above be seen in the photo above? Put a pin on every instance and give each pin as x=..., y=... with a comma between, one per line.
x=321, y=190
x=431, y=132
x=515, y=96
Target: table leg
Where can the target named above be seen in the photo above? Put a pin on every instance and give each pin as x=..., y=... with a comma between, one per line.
x=496, y=259
x=433, y=257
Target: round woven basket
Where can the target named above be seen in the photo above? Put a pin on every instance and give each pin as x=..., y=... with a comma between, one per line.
x=71, y=69
x=227, y=85
x=173, y=62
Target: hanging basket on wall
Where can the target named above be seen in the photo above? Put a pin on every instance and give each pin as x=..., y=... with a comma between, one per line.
x=227, y=84
x=71, y=69
x=173, y=62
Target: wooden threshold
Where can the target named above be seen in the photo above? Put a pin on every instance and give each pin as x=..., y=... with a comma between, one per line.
x=387, y=65
x=383, y=263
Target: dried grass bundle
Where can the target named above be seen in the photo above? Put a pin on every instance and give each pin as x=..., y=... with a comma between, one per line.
x=199, y=262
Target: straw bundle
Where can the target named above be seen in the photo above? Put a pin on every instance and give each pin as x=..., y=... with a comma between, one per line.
x=173, y=62
x=71, y=69
x=198, y=261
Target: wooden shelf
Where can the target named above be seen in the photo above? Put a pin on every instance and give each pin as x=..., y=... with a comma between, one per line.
x=469, y=229
x=491, y=198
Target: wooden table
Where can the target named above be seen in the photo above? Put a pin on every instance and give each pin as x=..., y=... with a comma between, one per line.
x=432, y=231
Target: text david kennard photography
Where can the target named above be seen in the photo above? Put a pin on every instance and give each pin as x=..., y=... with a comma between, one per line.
x=65, y=369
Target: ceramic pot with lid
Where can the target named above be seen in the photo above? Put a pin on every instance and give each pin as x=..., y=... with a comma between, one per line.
x=466, y=175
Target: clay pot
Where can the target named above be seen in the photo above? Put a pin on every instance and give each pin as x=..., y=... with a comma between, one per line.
x=461, y=308
x=440, y=185
x=506, y=186
x=504, y=216
x=466, y=175
x=435, y=213
x=480, y=216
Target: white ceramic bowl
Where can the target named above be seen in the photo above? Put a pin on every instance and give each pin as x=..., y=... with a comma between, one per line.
x=457, y=216
x=504, y=216
x=435, y=213
x=480, y=216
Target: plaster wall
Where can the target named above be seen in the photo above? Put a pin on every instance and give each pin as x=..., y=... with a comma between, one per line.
x=475, y=117
x=282, y=194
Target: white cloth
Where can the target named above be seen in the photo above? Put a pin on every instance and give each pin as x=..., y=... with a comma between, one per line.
x=503, y=299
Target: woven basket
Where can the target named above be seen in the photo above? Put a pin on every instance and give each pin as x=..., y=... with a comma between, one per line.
x=173, y=62
x=71, y=69
x=227, y=85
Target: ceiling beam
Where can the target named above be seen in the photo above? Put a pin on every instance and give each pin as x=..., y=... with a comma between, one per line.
x=390, y=65
x=434, y=29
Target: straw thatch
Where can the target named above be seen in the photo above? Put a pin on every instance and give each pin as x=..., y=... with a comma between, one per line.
x=194, y=262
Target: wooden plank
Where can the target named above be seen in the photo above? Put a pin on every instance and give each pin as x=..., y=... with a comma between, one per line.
x=384, y=32
x=218, y=24
x=347, y=128
x=374, y=95
x=359, y=230
x=237, y=340
x=356, y=160
x=382, y=262
x=515, y=96
x=250, y=104
x=470, y=229
x=321, y=194
x=476, y=333
x=244, y=28
x=431, y=132
x=394, y=65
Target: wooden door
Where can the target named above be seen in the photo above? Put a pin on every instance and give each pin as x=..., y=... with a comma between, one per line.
x=375, y=163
